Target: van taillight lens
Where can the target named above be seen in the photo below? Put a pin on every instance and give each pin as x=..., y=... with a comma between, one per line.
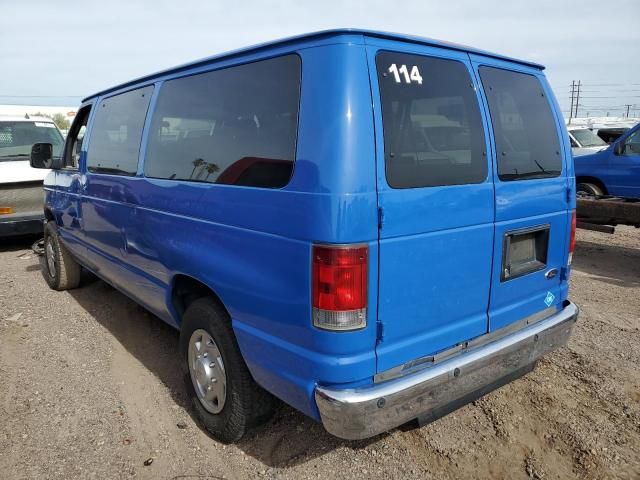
x=572, y=237
x=339, y=279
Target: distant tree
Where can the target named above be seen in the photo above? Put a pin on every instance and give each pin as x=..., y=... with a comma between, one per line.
x=61, y=121
x=58, y=118
x=210, y=169
x=197, y=163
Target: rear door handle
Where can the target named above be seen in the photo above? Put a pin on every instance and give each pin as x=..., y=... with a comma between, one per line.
x=551, y=274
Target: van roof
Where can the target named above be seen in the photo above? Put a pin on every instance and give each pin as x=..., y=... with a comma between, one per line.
x=320, y=35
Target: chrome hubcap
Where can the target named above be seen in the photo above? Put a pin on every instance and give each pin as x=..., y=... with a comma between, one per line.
x=51, y=258
x=207, y=371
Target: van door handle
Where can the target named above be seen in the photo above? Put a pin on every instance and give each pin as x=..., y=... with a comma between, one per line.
x=551, y=274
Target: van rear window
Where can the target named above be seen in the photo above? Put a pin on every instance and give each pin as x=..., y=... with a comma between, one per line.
x=236, y=126
x=433, y=132
x=527, y=144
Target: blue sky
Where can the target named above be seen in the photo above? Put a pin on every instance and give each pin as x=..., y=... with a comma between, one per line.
x=49, y=50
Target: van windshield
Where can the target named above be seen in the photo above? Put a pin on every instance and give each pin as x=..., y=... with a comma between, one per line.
x=527, y=143
x=17, y=138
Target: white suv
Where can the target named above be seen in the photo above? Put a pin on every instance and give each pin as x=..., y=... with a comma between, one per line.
x=21, y=195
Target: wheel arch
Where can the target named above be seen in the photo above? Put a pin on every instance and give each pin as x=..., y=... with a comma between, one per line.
x=185, y=289
x=594, y=180
x=48, y=214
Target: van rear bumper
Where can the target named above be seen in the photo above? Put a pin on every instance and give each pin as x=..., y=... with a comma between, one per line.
x=364, y=412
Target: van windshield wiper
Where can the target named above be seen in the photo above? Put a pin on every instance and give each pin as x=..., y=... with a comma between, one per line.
x=110, y=170
x=540, y=166
x=529, y=175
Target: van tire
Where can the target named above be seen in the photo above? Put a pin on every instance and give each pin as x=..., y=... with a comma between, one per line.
x=589, y=189
x=59, y=268
x=246, y=404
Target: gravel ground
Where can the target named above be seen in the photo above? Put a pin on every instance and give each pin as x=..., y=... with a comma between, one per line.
x=90, y=388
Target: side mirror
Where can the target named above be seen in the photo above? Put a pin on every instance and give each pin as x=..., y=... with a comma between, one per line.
x=41, y=155
x=618, y=148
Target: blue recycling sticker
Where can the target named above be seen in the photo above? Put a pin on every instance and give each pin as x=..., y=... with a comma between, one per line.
x=548, y=300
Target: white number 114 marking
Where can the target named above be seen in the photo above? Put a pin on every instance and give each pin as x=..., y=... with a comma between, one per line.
x=414, y=76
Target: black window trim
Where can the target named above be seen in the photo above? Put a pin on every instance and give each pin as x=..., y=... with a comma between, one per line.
x=159, y=84
x=485, y=100
x=67, y=143
x=480, y=103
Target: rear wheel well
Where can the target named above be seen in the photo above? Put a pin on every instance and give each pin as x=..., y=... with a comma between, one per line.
x=186, y=290
x=594, y=180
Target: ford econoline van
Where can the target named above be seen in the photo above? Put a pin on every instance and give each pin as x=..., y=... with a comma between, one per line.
x=371, y=227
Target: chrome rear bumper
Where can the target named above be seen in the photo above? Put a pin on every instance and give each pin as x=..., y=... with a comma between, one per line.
x=364, y=412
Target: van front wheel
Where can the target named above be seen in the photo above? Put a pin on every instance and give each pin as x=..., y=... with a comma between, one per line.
x=59, y=268
x=224, y=395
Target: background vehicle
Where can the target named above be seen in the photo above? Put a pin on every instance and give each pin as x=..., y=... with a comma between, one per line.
x=584, y=141
x=21, y=195
x=610, y=134
x=614, y=170
x=377, y=240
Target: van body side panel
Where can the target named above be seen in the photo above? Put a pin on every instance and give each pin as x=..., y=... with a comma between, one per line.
x=530, y=204
x=436, y=243
x=252, y=246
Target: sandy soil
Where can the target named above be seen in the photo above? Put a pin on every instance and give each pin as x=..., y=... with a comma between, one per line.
x=90, y=388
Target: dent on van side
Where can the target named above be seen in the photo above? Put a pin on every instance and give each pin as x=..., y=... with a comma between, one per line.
x=370, y=227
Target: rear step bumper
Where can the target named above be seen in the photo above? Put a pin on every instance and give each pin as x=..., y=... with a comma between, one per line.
x=364, y=412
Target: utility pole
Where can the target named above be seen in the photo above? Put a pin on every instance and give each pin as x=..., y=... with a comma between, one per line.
x=573, y=86
x=577, y=98
x=627, y=105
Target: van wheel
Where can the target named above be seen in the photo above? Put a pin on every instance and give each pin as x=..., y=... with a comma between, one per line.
x=224, y=395
x=60, y=269
x=589, y=189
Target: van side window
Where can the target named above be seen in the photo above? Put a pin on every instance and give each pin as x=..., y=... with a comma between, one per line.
x=234, y=126
x=433, y=132
x=632, y=144
x=116, y=132
x=527, y=144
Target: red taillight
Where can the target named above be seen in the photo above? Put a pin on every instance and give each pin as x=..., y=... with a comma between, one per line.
x=572, y=237
x=339, y=287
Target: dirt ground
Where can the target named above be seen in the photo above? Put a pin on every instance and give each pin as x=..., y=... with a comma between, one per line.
x=90, y=388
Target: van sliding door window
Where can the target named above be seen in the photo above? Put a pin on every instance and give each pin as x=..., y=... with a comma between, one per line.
x=235, y=126
x=116, y=132
x=433, y=132
x=527, y=144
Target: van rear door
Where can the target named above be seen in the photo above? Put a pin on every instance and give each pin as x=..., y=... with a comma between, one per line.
x=532, y=193
x=436, y=201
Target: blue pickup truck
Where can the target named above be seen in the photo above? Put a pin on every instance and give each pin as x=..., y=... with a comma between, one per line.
x=371, y=227
x=614, y=170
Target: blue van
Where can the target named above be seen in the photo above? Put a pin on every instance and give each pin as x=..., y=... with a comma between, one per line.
x=371, y=227
x=614, y=170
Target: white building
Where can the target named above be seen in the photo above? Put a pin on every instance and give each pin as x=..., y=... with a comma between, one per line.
x=21, y=110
